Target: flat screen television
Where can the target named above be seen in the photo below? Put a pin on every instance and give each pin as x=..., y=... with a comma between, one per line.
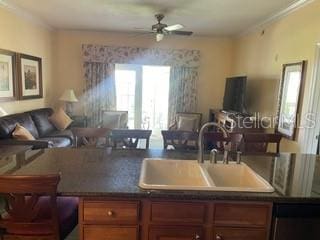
x=235, y=95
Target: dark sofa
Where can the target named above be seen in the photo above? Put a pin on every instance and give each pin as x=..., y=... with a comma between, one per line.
x=36, y=121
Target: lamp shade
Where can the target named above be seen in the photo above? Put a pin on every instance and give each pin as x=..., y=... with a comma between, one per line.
x=2, y=112
x=68, y=96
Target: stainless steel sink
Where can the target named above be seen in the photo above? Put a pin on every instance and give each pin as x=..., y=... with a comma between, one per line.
x=169, y=174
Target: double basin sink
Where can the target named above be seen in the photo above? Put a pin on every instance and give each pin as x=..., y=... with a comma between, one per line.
x=169, y=174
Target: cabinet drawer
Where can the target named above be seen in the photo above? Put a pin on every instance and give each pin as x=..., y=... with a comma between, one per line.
x=111, y=233
x=251, y=215
x=110, y=211
x=226, y=233
x=178, y=212
x=175, y=233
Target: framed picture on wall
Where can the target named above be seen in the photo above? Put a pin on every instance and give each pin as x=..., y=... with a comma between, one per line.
x=30, y=77
x=288, y=103
x=8, y=87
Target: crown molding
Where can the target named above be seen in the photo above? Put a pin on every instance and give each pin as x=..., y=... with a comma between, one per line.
x=6, y=4
x=281, y=14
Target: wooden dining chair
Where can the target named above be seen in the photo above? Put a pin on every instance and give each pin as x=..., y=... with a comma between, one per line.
x=91, y=137
x=180, y=140
x=221, y=143
x=33, y=210
x=129, y=138
x=257, y=143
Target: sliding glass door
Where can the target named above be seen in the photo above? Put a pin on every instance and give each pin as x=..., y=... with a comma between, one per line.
x=143, y=91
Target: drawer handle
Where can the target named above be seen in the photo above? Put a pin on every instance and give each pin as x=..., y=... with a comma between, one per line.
x=218, y=237
x=110, y=213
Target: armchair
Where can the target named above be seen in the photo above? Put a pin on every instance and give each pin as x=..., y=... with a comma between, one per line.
x=114, y=119
x=185, y=121
x=183, y=133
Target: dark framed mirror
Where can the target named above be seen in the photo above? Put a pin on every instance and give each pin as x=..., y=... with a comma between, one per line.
x=289, y=98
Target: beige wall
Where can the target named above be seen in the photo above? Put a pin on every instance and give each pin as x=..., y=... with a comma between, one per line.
x=260, y=56
x=20, y=35
x=216, y=58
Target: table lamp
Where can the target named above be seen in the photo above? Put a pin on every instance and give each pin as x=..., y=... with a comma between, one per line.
x=70, y=98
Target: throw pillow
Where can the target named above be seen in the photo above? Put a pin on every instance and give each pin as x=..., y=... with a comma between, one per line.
x=186, y=124
x=60, y=119
x=21, y=133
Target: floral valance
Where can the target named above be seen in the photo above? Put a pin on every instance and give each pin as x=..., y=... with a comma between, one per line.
x=137, y=55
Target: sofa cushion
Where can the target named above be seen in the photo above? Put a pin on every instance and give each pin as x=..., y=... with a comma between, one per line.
x=21, y=133
x=57, y=142
x=60, y=119
x=8, y=124
x=65, y=133
x=40, y=119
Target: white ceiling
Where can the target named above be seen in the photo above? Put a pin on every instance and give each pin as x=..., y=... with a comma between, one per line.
x=204, y=17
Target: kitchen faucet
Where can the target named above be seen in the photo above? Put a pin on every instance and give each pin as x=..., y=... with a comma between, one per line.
x=201, y=145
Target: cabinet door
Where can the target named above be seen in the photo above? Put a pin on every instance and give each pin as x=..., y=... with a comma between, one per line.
x=176, y=233
x=229, y=233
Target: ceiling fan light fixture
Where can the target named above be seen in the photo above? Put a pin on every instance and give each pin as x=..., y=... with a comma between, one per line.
x=159, y=36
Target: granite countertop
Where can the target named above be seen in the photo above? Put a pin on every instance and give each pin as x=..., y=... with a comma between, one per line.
x=98, y=172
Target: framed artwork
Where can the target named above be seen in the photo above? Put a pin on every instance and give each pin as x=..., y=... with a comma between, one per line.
x=8, y=87
x=288, y=102
x=30, y=77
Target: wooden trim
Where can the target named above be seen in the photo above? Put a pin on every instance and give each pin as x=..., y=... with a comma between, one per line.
x=14, y=75
x=309, y=137
x=276, y=17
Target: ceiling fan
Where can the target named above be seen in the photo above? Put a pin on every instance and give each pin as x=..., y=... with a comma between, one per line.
x=161, y=29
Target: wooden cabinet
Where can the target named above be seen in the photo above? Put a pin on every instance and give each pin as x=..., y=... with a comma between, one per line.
x=178, y=212
x=242, y=214
x=102, y=232
x=110, y=211
x=175, y=233
x=229, y=233
x=145, y=219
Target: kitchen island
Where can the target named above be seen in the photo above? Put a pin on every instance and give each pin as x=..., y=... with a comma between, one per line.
x=113, y=205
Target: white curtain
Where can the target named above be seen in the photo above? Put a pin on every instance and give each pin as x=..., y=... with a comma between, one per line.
x=100, y=90
x=182, y=91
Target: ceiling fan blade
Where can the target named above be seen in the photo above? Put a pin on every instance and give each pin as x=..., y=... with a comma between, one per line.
x=142, y=29
x=174, y=27
x=184, y=33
